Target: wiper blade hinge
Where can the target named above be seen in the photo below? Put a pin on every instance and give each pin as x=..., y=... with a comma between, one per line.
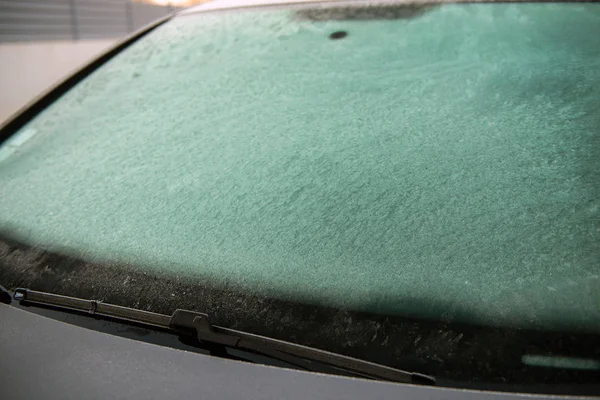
x=189, y=320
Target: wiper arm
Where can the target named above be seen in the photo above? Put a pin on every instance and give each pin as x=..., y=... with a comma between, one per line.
x=186, y=322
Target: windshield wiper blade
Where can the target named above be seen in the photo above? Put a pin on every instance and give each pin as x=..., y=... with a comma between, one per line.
x=186, y=322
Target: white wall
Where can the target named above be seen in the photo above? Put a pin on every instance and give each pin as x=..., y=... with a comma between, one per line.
x=28, y=69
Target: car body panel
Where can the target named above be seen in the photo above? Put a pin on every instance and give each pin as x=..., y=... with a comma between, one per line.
x=44, y=358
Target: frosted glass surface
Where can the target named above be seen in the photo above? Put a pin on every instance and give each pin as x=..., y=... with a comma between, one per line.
x=443, y=165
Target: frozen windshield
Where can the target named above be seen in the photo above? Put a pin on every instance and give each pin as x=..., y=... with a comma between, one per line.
x=449, y=159
x=438, y=162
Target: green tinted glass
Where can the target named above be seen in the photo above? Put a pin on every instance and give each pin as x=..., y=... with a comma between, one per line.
x=441, y=163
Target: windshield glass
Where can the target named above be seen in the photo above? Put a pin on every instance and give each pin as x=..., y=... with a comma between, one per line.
x=436, y=162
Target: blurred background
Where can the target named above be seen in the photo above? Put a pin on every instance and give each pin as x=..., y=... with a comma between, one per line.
x=41, y=41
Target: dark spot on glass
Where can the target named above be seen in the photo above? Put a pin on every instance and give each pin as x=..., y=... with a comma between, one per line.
x=338, y=35
x=362, y=12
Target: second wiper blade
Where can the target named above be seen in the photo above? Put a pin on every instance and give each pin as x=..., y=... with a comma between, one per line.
x=184, y=321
